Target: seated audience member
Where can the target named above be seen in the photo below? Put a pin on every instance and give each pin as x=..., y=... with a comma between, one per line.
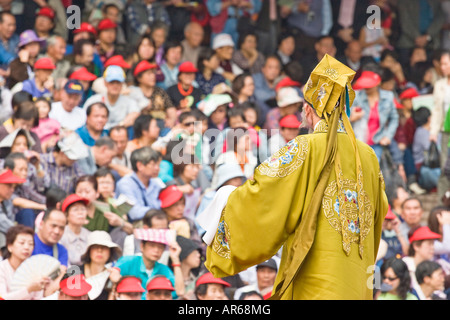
x=7, y=219
x=209, y=288
x=123, y=110
x=68, y=111
x=94, y=127
x=142, y=186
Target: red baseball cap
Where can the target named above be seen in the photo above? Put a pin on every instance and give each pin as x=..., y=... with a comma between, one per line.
x=424, y=233
x=187, y=67
x=82, y=74
x=169, y=196
x=117, y=60
x=160, y=283
x=398, y=105
x=46, y=12
x=86, y=27
x=287, y=82
x=390, y=215
x=130, y=284
x=44, y=63
x=7, y=177
x=71, y=199
x=143, y=66
x=290, y=121
x=368, y=79
x=409, y=93
x=75, y=286
x=209, y=278
x=106, y=24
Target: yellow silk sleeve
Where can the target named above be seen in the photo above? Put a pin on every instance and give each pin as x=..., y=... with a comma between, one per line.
x=264, y=211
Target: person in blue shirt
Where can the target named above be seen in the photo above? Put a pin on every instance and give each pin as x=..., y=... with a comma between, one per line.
x=48, y=234
x=142, y=186
x=9, y=40
x=146, y=266
x=96, y=118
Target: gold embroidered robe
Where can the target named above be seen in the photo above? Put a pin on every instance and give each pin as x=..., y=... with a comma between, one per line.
x=262, y=215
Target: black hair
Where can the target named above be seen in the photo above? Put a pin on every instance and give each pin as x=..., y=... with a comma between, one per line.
x=205, y=54
x=185, y=115
x=143, y=155
x=421, y=116
x=100, y=104
x=78, y=46
x=153, y=213
x=26, y=110
x=11, y=158
x=53, y=195
x=170, y=45
x=141, y=124
x=401, y=271
x=426, y=269
x=105, y=141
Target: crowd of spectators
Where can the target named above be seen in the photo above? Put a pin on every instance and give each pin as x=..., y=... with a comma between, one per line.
x=116, y=132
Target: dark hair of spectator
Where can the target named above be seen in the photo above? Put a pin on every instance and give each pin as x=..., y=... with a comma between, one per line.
x=401, y=271
x=11, y=236
x=97, y=104
x=205, y=54
x=141, y=124
x=26, y=110
x=426, y=269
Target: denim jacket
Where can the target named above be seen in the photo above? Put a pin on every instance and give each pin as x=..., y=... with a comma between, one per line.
x=387, y=112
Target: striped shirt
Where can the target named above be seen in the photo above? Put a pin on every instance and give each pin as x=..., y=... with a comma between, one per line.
x=61, y=176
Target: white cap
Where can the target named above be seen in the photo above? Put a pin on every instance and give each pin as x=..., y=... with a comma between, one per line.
x=287, y=96
x=222, y=40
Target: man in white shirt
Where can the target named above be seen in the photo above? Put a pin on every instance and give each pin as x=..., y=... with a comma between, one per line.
x=122, y=109
x=67, y=112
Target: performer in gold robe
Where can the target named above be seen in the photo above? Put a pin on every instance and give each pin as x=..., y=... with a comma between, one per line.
x=321, y=198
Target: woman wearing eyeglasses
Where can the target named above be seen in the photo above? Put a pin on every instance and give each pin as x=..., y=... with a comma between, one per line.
x=396, y=281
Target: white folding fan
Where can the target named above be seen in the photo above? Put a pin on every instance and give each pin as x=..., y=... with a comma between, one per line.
x=33, y=269
x=98, y=284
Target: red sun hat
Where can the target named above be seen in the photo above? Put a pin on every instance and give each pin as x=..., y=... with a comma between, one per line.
x=7, y=177
x=106, y=24
x=287, y=82
x=424, y=233
x=44, y=63
x=82, y=74
x=368, y=79
x=160, y=283
x=409, y=93
x=46, y=12
x=130, y=284
x=117, y=60
x=142, y=66
x=75, y=286
x=86, y=27
x=187, y=67
x=169, y=196
x=71, y=199
x=209, y=278
x=290, y=121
